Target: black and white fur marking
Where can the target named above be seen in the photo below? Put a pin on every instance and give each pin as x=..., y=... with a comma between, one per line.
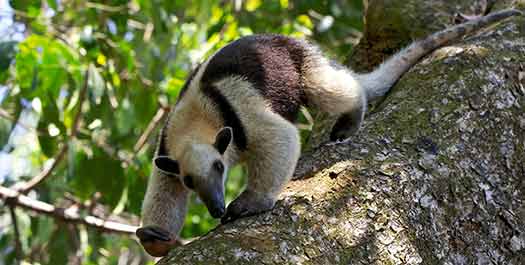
x=238, y=107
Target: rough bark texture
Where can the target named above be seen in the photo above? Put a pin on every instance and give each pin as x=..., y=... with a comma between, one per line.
x=435, y=176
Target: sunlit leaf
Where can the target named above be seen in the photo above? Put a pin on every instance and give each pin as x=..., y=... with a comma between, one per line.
x=25, y=5
x=46, y=62
x=252, y=5
x=101, y=59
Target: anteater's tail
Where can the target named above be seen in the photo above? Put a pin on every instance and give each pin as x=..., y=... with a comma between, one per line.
x=378, y=82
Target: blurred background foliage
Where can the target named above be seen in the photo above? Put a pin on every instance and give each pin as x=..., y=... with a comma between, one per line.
x=83, y=88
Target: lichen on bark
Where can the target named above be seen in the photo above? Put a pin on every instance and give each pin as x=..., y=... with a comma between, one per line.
x=435, y=176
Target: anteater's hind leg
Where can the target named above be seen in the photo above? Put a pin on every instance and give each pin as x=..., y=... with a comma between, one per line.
x=334, y=89
x=348, y=123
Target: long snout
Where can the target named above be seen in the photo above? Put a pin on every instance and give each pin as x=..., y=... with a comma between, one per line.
x=217, y=211
x=214, y=201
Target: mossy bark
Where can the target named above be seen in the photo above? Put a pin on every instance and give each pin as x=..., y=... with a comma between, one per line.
x=435, y=176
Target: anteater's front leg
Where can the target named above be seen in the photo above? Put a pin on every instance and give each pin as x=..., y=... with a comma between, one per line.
x=271, y=161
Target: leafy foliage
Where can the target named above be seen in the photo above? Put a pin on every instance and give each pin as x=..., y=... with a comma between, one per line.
x=90, y=76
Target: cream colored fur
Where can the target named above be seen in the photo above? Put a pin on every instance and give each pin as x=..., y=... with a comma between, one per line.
x=273, y=142
x=163, y=190
x=273, y=149
x=184, y=142
x=330, y=87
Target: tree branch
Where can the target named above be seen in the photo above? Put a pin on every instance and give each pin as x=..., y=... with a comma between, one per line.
x=32, y=183
x=14, y=198
x=106, y=8
x=4, y=114
x=18, y=243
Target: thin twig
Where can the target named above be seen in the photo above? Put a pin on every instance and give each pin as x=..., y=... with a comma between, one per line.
x=4, y=114
x=14, y=198
x=159, y=116
x=106, y=8
x=18, y=243
x=32, y=183
x=81, y=97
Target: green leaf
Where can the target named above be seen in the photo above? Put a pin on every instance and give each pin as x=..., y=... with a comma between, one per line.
x=25, y=5
x=216, y=27
x=6, y=246
x=137, y=185
x=96, y=171
x=43, y=65
x=50, y=122
x=59, y=246
x=52, y=4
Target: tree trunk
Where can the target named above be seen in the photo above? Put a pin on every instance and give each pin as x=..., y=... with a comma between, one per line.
x=435, y=176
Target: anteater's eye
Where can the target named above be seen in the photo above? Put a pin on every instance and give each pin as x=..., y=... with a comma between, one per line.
x=188, y=182
x=218, y=166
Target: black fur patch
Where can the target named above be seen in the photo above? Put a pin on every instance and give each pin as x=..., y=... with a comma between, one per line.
x=272, y=63
x=230, y=118
x=341, y=127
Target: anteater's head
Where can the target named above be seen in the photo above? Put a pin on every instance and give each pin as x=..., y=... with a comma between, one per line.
x=201, y=168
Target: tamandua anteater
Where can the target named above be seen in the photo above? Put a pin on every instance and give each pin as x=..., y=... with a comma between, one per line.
x=239, y=106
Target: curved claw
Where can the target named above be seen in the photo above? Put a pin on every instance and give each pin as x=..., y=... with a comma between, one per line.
x=231, y=216
x=247, y=204
x=152, y=233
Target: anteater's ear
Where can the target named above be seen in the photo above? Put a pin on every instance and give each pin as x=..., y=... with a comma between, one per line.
x=223, y=139
x=167, y=165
